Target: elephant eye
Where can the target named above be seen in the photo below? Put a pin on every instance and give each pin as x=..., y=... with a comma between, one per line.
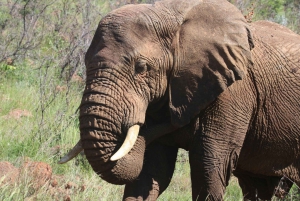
x=141, y=67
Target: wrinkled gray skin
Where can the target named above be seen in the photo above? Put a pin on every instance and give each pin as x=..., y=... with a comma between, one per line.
x=196, y=76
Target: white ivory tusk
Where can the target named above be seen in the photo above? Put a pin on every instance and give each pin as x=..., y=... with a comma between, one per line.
x=128, y=143
x=72, y=153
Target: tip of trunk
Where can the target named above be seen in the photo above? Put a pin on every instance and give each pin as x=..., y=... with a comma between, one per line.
x=124, y=170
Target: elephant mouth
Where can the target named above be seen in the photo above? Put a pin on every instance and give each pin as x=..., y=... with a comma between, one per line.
x=127, y=145
x=126, y=164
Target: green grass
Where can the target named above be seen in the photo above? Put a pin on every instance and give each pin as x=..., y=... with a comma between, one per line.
x=233, y=191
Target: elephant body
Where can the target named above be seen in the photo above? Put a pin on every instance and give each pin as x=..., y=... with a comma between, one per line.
x=271, y=142
x=253, y=127
x=194, y=75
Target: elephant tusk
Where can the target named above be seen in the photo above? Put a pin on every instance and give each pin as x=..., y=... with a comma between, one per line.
x=128, y=143
x=72, y=153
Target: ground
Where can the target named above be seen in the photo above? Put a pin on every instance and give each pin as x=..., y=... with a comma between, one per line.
x=39, y=175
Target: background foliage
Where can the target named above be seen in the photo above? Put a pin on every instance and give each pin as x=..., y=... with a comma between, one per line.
x=42, y=73
x=285, y=12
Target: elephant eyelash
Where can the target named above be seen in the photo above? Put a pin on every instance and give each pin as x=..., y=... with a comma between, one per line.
x=127, y=60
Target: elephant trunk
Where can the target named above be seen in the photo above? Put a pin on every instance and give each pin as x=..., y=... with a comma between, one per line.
x=106, y=115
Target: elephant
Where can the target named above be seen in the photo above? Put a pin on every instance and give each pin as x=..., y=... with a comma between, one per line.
x=193, y=75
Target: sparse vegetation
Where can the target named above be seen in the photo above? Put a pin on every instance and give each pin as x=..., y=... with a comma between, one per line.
x=285, y=12
x=42, y=73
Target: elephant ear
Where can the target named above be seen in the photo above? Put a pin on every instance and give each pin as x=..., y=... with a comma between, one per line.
x=212, y=49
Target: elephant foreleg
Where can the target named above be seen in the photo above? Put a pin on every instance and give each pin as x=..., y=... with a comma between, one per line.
x=210, y=171
x=217, y=143
x=156, y=174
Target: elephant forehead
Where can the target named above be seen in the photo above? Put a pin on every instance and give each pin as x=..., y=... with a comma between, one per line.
x=123, y=36
x=126, y=17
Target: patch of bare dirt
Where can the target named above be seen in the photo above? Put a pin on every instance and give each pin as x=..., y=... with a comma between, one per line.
x=17, y=114
x=38, y=175
x=60, y=88
x=9, y=61
x=8, y=173
x=76, y=78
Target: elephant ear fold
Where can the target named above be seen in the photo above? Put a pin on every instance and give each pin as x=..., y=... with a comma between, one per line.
x=212, y=49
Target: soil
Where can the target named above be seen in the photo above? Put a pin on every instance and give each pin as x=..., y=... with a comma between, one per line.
x=39, y=177
x=17, y=114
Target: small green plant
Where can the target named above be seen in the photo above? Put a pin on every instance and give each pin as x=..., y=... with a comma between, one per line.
x=6, y=67
x=7, y=70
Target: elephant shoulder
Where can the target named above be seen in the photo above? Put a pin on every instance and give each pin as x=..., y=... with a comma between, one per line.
x=276, y=43
x=273, y=33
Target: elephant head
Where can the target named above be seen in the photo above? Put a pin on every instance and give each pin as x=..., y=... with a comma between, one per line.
x=173, y=54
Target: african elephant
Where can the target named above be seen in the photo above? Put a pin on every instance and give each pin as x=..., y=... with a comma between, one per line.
x=192, y=75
